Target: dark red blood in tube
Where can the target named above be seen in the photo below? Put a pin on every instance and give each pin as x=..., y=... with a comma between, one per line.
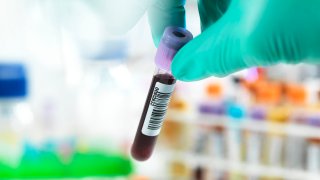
x=143, y=145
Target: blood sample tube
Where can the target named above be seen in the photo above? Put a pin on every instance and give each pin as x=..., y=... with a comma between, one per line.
x=159, y=93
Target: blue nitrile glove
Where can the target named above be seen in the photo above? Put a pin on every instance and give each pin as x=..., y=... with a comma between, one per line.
x=250, y=33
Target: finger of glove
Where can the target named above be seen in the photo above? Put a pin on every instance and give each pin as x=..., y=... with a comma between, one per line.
x=165, y=13
x=286, y=31
x=218, y=51
x=210, y=11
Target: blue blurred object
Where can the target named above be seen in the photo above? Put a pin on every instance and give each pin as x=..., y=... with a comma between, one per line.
x=236, y=111
x=109, y=50
x=30, y=151
x=13, y=81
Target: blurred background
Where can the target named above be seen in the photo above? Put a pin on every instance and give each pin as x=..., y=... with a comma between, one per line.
x=71, y=97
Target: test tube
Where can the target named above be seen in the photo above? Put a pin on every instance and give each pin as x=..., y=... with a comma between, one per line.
x=295, y=145
x=236, y=113
x=218, y=142
x=313, y=148
x=158, y=98
x=255, y=138
x=235, y=138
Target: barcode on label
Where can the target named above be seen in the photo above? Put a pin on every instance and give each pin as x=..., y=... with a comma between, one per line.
x=157, y=109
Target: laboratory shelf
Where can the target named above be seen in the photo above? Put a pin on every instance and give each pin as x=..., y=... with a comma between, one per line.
x=249, y=124
x=204, y=121
x=249, y=170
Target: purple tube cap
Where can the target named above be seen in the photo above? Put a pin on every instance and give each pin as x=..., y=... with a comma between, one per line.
x=314, y=120
x=217, y=109
x=172, y=40
x=258, y=114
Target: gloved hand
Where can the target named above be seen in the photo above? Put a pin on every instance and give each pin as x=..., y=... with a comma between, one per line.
x=236, y=33
x=250, y=33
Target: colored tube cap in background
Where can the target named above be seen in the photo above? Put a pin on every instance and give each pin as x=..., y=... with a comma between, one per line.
x=172, y=40
x=236, y=111
x=13, y=81
x=258, y=113
x=314, y=119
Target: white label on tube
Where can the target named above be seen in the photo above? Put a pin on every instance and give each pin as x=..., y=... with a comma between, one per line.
x=218, y=145
x=254, y=147
x=157, y=109
x=313, y=158
x=295, y=152
x=235, y=142
x=275, y=150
